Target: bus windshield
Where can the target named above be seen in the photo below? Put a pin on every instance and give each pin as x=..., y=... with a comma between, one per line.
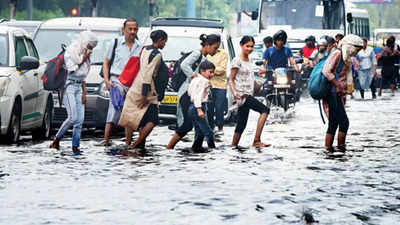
x=315, y=14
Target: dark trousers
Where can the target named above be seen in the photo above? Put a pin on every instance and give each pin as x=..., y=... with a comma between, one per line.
x=216, y=107
x=243, y=112
x=201, y=127
x=337, y=115
x=187, y=121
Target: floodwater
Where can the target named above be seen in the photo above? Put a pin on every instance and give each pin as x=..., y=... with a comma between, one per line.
x=283, y=184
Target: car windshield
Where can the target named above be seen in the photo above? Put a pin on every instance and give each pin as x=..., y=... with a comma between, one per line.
x=3, y=50
x=176, y=45
x=48, y=43
x=320, y=14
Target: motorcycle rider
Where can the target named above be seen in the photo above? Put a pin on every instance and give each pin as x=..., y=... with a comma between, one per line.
x=309, y=48
x=320, y=53
x=278, y=56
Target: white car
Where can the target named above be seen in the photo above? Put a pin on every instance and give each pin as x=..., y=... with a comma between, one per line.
x=24, y=104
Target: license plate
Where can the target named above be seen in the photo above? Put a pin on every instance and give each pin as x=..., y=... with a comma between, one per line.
x=170, y=99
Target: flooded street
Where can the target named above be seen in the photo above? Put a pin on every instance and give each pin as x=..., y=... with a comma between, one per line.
x=282, y=184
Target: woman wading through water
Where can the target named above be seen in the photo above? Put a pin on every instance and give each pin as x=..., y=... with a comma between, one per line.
x=337, y=69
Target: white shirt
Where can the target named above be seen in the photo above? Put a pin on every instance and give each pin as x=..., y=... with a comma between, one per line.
x=244, y=79
x=366, y=58
x=198, y=90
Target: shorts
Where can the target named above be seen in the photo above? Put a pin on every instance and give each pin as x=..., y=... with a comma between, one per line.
x=151, y=115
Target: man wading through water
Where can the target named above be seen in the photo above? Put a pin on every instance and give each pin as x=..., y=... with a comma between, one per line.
x=127, y=46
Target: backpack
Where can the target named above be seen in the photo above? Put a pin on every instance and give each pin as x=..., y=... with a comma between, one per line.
x=111, y=60
x=318, y=85
x=178, y=76
x=161, y=80
x=55, y=75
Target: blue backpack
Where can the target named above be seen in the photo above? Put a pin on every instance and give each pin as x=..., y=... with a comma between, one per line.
x=318, y=85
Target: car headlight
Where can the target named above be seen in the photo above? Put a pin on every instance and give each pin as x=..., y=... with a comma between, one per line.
x=282, y=79
x=103, y=91
x=3, y=85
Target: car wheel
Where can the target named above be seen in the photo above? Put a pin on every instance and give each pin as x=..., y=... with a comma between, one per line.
x=44, y=132
x=14, y=128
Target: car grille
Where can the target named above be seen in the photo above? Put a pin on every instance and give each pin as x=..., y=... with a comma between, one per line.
x=168, y=109
x=60, y=114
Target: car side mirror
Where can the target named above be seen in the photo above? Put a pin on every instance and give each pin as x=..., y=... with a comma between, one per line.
x=254, y=15
x=349, y=17
x=28, y=63
x=259, y=63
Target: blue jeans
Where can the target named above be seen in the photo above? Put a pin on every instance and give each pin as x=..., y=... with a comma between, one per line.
x=72, y=100
x=201, y=127
x=217, y=107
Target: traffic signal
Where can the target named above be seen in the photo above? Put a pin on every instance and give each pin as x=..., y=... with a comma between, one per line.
x=74, y=11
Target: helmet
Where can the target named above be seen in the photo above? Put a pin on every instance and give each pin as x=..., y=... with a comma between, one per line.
x=330, y=40
x=310, y=38
x=322, y=41
x=280, y=35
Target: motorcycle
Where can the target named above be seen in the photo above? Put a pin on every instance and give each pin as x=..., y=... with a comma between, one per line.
x=280, y=88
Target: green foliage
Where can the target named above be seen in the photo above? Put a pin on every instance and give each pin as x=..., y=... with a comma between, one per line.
x=389, y=15
x=36, y=14
x=138, y=9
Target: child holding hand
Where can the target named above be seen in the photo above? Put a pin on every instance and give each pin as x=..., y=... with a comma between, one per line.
x=198, y=91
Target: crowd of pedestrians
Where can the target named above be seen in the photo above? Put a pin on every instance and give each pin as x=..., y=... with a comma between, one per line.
x=205, y=70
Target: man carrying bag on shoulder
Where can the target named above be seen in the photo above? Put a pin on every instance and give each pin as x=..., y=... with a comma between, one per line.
x=126, y=47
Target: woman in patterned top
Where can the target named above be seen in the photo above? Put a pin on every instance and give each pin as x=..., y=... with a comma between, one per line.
x=241, y=82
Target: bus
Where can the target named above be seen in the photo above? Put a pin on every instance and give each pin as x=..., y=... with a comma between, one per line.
x=301, y=18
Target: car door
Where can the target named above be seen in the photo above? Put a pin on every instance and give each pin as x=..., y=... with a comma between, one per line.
x=28, y=83
x=37, y=73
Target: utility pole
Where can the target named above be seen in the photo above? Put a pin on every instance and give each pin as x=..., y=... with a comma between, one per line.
x=29, y=9
x=190, y=9
x=380, y=15
x=13, y=8
x=151, y=10
x=239, y=17
x=94, y=7
x=202, y=9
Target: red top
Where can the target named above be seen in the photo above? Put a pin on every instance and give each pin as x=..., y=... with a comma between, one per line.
x=307, y=51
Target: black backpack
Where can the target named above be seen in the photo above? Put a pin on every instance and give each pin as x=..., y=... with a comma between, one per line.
x=55, y=75
x=178, y=76
x=111, y=60
x=161, y=80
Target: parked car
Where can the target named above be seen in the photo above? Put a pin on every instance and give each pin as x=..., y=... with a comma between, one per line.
x=24, y=104
x=55, y=32
x=183, y=37
x=29, y=26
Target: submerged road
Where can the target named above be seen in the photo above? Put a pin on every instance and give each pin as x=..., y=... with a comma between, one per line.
x=282, y=184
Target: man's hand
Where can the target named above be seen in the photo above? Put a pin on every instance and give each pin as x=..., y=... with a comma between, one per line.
x=108, y=84
x=201, y=113
x=142, y=102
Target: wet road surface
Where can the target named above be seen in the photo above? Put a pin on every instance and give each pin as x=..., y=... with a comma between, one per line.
x=276, y=185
